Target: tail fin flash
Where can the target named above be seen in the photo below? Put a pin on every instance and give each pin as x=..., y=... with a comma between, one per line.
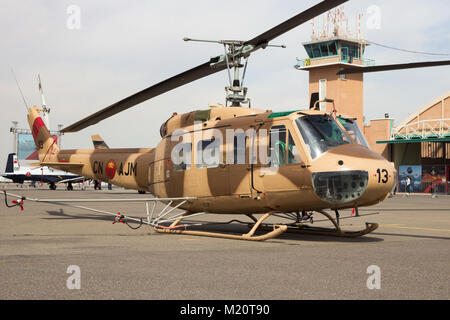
x=12, y=164
x=98, y=142
x=45, y=143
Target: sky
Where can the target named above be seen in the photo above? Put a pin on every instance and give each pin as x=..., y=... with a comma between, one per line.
x=93, y=53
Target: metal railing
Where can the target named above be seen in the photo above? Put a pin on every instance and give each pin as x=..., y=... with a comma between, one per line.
x=301, y=63
x=424, y=129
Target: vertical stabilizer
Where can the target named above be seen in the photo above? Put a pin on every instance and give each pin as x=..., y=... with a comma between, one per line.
x=12, y=164
x=98, y=142
x=45, y=143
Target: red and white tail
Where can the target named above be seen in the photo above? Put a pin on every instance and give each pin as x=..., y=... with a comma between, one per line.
x=45, y=143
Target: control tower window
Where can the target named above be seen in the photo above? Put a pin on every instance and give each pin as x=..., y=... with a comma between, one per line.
x=332, y=48
x=316, y=51
x=323, y=49
x=309, y=51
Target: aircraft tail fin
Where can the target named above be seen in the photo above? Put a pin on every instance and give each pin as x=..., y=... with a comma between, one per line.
x=12, y=164
x=98, y=142
x=45, y=143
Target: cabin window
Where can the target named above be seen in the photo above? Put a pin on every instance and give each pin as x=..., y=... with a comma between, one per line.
x=208, y=153
x=181, y=156
x=239, y=148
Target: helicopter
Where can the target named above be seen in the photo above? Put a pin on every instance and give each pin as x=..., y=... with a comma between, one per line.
x=231, y=159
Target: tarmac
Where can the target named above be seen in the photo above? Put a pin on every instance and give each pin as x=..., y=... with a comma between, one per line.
x=407, y=257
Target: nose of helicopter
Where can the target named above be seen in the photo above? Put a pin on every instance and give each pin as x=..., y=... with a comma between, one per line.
x=352, y=175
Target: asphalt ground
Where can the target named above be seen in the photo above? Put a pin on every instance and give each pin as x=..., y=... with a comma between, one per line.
x=407, y=257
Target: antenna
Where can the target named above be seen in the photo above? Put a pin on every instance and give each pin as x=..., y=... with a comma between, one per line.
x=20, y=90
x=45, y=109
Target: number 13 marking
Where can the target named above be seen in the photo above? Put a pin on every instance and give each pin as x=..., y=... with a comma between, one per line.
x=385, y=174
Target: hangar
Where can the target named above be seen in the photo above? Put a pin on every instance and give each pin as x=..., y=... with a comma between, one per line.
x=420, y=147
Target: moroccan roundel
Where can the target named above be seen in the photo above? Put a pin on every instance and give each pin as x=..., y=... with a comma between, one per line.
x=110, y=169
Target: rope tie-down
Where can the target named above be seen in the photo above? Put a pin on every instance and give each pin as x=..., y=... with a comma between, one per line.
x=15, y=203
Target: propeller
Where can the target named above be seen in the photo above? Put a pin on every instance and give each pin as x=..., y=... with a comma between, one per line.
x=214, y=65
x=390, y=67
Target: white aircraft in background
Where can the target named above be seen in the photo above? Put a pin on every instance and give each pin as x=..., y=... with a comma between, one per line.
x=20, y=174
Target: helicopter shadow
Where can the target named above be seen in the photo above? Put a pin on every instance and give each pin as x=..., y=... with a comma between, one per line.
x=241, y=228
x=61, y=215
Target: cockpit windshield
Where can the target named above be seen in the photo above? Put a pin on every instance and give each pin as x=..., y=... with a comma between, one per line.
x=321, y=133
x=354, y=131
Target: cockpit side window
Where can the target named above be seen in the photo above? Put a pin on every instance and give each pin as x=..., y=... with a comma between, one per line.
x=292, y=151
x=321, y=133
x=354, y=131
x=282, y=148
x=277, y=146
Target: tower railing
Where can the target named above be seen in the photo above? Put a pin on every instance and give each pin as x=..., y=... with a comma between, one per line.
x=308, y=62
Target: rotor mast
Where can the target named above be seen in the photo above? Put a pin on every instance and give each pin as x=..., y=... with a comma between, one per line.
x=234, y=52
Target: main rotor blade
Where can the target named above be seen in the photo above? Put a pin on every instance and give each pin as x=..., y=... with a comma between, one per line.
x=295, y=21
x=200, y=71
x=193, y=74
x=390, y=67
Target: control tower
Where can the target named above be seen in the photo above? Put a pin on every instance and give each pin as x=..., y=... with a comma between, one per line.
x=330, y=50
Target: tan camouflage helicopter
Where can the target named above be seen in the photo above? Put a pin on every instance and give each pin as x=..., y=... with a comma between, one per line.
x=233, y=159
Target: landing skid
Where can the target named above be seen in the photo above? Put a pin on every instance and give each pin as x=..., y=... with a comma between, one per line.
x=305, y=229
x=301, y=228
x=157, y=219
x=276, y=231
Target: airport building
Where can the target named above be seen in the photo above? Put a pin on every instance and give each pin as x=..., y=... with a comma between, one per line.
x=419, y=146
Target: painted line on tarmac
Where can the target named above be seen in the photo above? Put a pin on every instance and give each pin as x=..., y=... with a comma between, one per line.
x=402, y=226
